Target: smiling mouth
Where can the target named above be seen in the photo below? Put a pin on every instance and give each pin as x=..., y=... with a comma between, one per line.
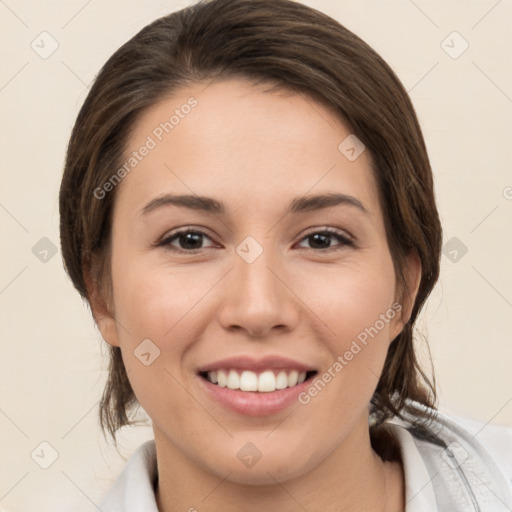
x=263, y=382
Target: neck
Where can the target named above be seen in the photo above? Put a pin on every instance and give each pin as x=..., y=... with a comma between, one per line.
x=351, y=477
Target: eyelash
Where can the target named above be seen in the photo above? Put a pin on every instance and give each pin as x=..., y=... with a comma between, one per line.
x=166, y=241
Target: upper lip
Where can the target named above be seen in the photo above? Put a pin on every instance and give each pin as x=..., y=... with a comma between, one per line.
x=270, y=362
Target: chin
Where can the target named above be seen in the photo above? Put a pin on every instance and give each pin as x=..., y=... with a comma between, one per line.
x=261, y=477
x=265, y=471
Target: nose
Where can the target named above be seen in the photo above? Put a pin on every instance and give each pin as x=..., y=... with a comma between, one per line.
x=257, y=297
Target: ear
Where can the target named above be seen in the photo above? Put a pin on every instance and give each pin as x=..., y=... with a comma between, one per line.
x=102, y=312
x=413, y=279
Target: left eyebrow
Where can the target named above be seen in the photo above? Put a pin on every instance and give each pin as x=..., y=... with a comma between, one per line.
x=319, y=202
x=210, y=205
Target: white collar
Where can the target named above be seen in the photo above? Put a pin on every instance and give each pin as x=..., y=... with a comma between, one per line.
x=419, y=491
x=134, y=488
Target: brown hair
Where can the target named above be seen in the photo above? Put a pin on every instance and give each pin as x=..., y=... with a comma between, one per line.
x=294, y=47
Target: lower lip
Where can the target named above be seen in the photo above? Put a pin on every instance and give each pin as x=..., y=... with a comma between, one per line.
x=254, y=403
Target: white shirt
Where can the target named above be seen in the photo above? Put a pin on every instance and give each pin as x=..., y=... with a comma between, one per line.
x=469, y=469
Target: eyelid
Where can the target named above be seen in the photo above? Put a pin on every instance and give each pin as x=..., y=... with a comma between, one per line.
x=164, y=240
x=333, y=231
x=346, y=239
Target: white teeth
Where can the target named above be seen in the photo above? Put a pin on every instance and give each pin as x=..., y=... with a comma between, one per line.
x=248, y=381
x=265, y=382
x=222, y=379
x=282, y=380
x=233, y=380
x=292, y=378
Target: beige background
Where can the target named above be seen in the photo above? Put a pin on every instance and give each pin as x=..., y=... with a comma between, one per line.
x=52, y=359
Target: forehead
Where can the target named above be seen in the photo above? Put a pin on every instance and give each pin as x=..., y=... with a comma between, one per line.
x=246, y=144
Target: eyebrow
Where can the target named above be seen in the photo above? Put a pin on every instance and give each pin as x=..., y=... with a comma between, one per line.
x=210, y=205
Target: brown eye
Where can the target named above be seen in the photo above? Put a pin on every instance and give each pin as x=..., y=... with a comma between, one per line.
x=322, y=239
x=188, y=241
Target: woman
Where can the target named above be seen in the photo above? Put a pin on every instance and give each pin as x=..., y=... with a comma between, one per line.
x=248, y=207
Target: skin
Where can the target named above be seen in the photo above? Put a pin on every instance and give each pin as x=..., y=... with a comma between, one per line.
x=255, y=151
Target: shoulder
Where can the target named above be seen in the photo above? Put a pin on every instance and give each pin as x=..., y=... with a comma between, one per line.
x=469, y=463
x=496, y=439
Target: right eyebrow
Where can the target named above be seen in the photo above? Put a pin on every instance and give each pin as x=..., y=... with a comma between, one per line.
x=193, y=202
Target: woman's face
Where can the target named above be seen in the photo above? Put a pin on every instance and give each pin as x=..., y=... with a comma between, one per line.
x=259, y=280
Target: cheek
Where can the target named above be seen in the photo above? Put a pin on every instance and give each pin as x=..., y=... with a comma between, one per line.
x=358, y=306
x=353, y=298
x=153, y=301
x=152, y=311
